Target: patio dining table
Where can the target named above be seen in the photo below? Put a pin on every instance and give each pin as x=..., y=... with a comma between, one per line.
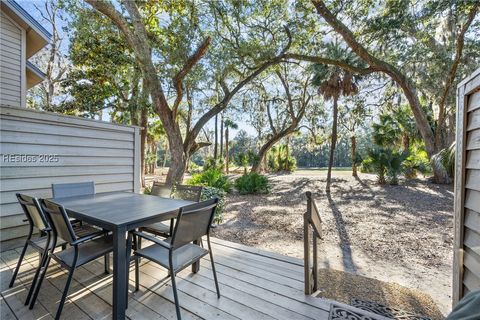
x=120, y=212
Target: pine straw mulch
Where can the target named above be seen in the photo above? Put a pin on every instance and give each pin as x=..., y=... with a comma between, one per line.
x=343, y=286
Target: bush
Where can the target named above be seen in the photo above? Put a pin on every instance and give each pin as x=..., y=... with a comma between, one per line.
x=416, y=162
x=212, y=163
x=252, y=183
x=444, y=161
x=193, y=167
x=211, y=192
x=386, y=163
x=147, y=190
x=211, y=178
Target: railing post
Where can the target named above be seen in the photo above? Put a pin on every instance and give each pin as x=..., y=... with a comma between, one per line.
x=306, y=254
x=315, y=262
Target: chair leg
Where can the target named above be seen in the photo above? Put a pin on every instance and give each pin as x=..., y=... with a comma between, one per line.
x=19, y=263
x=137, y=275
x=37, y=272
x=213, y=267
x=175, y=295
x=107, y=263
x=136, y=241
x=39, y=282
x=65, y=293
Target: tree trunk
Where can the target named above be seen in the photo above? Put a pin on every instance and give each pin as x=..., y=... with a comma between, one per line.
x=226, y=149
x=215, y=147
x=287, y=154
x=353, y=139
x=178, y=164
x=143, y=140
x=333, y=143
x=165, y=156
x=264, y=149
x=221, y=135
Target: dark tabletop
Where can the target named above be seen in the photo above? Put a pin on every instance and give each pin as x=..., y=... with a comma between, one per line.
x=121, y=208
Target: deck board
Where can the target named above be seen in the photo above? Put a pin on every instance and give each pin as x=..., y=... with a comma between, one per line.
x=254, y=284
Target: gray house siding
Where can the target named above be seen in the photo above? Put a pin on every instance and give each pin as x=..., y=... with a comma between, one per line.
x=40, y=148
x=11, y=62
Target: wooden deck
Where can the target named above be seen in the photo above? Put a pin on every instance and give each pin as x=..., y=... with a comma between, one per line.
x=254, y=284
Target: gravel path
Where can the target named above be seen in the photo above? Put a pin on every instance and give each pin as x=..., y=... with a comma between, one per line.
x=401, y=234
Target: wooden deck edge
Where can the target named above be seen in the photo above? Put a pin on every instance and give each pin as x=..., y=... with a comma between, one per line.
x=256, y=251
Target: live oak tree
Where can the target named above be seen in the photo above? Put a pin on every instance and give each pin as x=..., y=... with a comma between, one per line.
x=144, y=30
x=286, y=108
x=398, y=40
x=104, y=74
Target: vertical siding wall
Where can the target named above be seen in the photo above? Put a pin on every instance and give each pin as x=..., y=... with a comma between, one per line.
x=87, y=150
x=467, y=189
x=11, y=62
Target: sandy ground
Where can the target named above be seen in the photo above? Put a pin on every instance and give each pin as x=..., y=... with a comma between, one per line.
x=401, y=234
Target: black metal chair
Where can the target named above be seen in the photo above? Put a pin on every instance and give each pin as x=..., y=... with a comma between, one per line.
x=184, y=192
x=43, y=243
x=161, y=190
x=81, y=251
x=74, y=189
x=62, y=190
x=178, y=252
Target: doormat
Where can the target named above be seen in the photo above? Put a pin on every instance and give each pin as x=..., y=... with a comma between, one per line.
x=340, y=313
x=385, y=311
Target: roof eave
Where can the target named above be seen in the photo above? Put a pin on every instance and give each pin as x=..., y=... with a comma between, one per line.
x=37, y=36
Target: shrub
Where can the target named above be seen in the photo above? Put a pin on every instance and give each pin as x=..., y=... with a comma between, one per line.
x=147, y=190
x=444, y=161
x=416, y=162
x=252, y=183
x=211, y=192
x=211, y=178
x=385, y=162
x=193, y=167
x=212, y=163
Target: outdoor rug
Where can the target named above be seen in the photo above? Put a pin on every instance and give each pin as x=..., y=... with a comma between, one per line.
x=338, y=312
x=385, y=311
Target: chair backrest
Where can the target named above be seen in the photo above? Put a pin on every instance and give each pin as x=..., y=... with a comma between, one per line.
x=193, y=222
x=32, y=209
x=185, y=192
x=161, y=190
x=59, y=221
x=62, y=190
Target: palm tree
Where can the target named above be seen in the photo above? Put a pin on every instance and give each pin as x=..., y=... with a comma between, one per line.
x=227, y=123
x=333, y=82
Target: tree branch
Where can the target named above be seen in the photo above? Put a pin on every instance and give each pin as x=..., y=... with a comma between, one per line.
x=338, y=63
x=456, y=60
x=187, y=67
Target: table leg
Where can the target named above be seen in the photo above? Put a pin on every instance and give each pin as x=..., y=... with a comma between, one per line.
x=196, y=265
x=119, y=273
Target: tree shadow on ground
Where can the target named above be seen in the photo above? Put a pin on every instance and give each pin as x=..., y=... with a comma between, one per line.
x=345, y=245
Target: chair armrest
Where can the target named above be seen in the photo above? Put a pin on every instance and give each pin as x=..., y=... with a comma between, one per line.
x=88, y=237
x=153, y=239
